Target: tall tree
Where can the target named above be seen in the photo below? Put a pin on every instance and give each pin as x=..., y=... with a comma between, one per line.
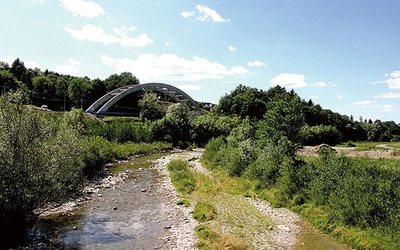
x=78, y=89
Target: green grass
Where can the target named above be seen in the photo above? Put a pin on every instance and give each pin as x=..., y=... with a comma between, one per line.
x=204, y=211
x=181, y=176
x=362, y=146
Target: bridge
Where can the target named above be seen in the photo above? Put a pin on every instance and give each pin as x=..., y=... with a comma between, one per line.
x=104, y=103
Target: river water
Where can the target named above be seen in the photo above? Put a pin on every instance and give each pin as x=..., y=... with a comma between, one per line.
x=136, y=214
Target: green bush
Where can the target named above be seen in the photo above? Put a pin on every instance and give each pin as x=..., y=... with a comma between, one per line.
x=213, y=152
x=41, y=161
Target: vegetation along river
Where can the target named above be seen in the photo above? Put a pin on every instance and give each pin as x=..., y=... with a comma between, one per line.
x=136, y=208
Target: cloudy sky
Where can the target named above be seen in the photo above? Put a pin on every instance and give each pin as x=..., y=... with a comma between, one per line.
x=342, y=54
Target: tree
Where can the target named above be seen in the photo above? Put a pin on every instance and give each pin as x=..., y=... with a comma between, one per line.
x=150, y=108
x=243, y=101
x=115, y=81
x=173, y=127
x=78, y=88
x=284, y=118
x=43, y=86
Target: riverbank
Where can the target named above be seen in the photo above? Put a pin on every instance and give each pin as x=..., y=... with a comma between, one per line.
x=137, y=209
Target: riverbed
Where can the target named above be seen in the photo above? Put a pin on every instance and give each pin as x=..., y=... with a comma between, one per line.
x=136, y=208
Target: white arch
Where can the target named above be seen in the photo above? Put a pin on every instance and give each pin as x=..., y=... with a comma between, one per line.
x=101, y=106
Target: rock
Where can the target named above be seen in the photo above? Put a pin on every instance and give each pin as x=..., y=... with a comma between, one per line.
x=115, y=208
x=143, y=190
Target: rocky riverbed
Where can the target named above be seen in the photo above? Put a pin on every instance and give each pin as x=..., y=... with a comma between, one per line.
x=137, y=209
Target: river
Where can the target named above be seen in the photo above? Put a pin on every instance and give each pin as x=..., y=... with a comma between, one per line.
x=139, y=212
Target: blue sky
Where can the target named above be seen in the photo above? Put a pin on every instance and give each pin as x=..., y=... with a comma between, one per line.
x=342, y=54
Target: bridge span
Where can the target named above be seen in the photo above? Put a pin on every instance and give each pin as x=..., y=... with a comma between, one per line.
x=104, y=103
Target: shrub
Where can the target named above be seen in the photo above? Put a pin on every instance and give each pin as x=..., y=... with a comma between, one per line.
x=40, y=161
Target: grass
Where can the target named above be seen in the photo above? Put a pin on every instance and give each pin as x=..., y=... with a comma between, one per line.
x=181, y=176
x=362, y=146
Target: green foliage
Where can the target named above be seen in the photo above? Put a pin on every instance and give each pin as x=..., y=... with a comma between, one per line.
x=204, y=211
x=208, y=126
x=213, y=152
x=181, y=176
x=78, y=88
x=122, y=131
x=319, y=134
x=267, y=168
x=174, y=127
x=98, y=152
x=150, y=108
x=40, y=161
x=283, y=118
x=244, y=102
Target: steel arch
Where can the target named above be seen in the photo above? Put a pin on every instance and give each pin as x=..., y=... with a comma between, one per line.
x=101, y=106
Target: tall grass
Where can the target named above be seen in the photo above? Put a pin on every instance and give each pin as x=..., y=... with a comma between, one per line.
x=181, y=176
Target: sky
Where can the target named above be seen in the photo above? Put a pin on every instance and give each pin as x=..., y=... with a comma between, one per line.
x=343, y=55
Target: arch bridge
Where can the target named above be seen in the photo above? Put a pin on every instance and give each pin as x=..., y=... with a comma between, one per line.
x=104, y=103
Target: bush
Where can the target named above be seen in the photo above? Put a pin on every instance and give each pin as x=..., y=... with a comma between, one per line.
x=40, y=161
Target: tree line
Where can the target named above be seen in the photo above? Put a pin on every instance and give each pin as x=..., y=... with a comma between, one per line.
x=59, y=91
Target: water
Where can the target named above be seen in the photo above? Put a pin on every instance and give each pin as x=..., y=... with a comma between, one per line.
x=133, y=216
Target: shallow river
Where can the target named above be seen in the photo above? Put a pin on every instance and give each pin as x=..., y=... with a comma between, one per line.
x=135, y=215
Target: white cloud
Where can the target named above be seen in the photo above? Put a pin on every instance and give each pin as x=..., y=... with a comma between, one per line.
x=314, y=97
x=170, y=67
x=93, y=33
x=187, y=14
x=363, y=103
x=186, y=87
x=289, y=80
x=32, y=65
x=339, y=97
x=389, y=108
x=73, y=62
x=204, y=14
x=319, y=85
x=70, y=67
x=83, y=8
x=389, y=95
x=8, y=60
x=256, y=64
x=232, y=48
x=393, y=82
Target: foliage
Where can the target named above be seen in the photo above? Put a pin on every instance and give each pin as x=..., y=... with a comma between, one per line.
x=319, y=134
x=243, y=101
x=174, y=127
x=150, y=108
x=283, y=118
x=205, y=127
x=181, y=176
x=40, y=161
x=267, y=167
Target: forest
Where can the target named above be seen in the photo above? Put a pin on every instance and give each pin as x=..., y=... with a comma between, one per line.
x=250, y=133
